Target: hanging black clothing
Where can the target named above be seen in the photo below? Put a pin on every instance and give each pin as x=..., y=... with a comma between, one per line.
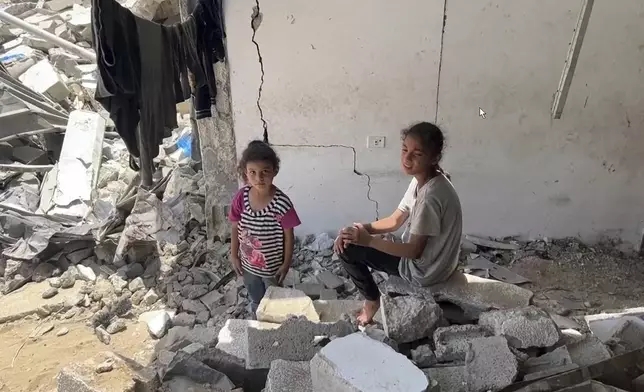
x=143, y=67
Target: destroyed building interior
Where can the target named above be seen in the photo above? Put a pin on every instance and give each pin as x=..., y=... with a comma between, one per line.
x=116, y=273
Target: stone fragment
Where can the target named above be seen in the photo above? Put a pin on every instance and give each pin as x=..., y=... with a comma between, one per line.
x=490, y=365
x=328, y=295
x=380, y=335
x=193, y=306
x=62, y=332
x=157, y=321
x=280, y=303
x=203, y=317
x=44, y=79
x=287, y=376
x=68, y=278
x=294, y=340
x=449, y=378
x=105, y=367
x=556, y=358
x=630, y=333
x=150, y=298
x=136, y=285
x=118, y=283
x=50, y=293
x=194, y=291
x=423, y=356
x=55, y=282
x=588, y=351
x=102, y=335
x=407, y=318
x=356, y=363
x=134, y=271
x=86, y=273
x=524, y=328
x=212, y=300
x=330, y=280
x=452, y=343
x=138, y=296
x=184, y=320
x=476, y=295
x=116, y=326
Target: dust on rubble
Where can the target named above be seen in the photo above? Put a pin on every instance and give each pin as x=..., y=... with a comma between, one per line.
x=39, y=360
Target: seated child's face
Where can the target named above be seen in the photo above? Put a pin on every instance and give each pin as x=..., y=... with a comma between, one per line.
x=260, y=174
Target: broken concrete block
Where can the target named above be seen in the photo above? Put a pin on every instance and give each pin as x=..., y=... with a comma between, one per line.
x=524, y=328
x=157, y=321
x=452, y=343
x=183, y=364
x=287, y=376
x=44, y=79
x=629, y=332
x=409, y=318
x=357, y=363
x=380, y=335
x=212, y=300
x=280, y=303
x=184, y=320
x=330, y=280
x=476, y=295
x=490, y=365
x=294, y=340
x=558, y=357
x=450, y=378
x=423, y=356
x=588, y=351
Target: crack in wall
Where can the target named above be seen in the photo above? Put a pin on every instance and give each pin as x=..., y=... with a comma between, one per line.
x=440, y=59
x=255, y=22
x=355, y=166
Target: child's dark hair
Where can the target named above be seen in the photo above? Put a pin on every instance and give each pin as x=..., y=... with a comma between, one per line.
x=431, y=138
x=256, y=151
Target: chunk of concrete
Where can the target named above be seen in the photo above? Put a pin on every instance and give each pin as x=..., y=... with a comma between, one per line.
x=490, y=365
x=157, y=321
x=185, y=365
x=281, y=303
x=408, y=318
x=588, y=351
x=476, y=295
x=423, y=356
x=524, y=328
x=287, y=376
x=331, y=311
x=330, y=280
x=629, y=332
x=558, y=357
x=357, y=363
x=294, y=340
x=43, y=79
x=452, y=343
x=449, y=378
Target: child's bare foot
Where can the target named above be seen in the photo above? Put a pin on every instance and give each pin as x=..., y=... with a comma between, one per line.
x=369, y=309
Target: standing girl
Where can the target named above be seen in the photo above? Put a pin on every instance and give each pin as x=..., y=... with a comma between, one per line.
x=263, y=219
x=431, y=241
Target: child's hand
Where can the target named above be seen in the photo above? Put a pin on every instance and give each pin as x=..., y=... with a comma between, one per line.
x=237, y=266
x=282, y=272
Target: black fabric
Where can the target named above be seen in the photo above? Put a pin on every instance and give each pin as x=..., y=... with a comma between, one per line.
x=357, y=260
x=143, y=68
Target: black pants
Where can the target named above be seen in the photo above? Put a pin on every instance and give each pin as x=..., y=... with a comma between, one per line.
x=356, y=260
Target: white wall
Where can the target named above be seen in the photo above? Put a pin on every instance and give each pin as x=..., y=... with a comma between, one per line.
x=337, y=72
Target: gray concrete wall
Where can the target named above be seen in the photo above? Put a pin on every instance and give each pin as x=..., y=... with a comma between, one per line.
x=336, y=72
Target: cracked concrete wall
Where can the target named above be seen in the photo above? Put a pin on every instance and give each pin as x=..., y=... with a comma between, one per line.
x=336, y=72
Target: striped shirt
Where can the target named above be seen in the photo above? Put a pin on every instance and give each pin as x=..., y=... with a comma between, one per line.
x=261, y=233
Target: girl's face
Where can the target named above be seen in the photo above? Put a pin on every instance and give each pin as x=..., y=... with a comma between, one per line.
x=414, y=158
x=260, y=174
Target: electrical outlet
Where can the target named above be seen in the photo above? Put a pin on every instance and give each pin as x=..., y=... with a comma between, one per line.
x=376, y=142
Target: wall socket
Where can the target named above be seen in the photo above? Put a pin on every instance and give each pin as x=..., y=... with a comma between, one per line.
x=376, y=142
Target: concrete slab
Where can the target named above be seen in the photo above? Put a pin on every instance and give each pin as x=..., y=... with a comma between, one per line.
x=524, y=327
x=602, y=324
x=490, y=365
x=407, y=318
x=28, y=300
x=452, y=343
x=44, y=79
x=281, y=303
x=476, y=295
x=331, y=311
x=588, y=351
x=357, y=363
x=287, y=376
x=449, y=378
x=294, y=340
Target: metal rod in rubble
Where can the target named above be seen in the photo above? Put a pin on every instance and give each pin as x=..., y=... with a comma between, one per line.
x=75, y=49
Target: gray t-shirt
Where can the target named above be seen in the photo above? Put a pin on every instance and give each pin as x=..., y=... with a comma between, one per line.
x=434, y=211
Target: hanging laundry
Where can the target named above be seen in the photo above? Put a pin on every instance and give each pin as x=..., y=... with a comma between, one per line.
x=143, y=68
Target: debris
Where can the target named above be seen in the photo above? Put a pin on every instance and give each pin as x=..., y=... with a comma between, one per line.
x=409, y=317
x=116, y=326
x=423, y=356
x=43, y=79
x=629, y=332
x=105, y=367
x=358, y=363
x=158, y=322
x=496, y=271
x=556, y=358
x=332, y=310
x=489, y=365
x=588, y=351
x=62, y=332
x=523, y=327
x=452, y=343
x=103, y=335
x=184, y=320
x=50, y=293
x=322, y=242
x=280, y=303
x=330, y=280
x=449, y=378
x=490, y=243
x=151, y=297
x=380, y=335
